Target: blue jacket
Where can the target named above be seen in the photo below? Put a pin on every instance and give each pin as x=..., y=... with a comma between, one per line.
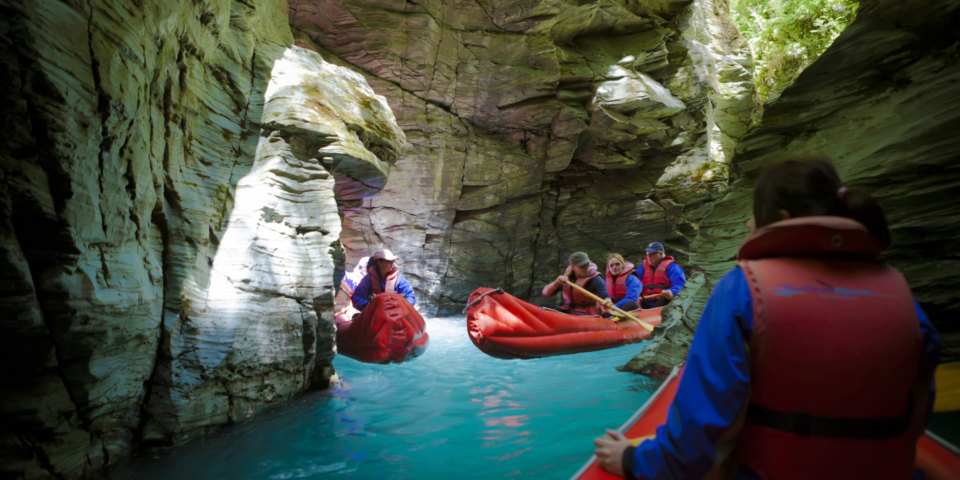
x=361, y=295
x=634, y=287
x=716, y=386
x=677, y=278
x=597, y=286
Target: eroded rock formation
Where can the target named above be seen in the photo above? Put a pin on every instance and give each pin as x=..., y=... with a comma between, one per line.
x=177, y=177
x=172, y=176
x=882, y=102
x=538, y=128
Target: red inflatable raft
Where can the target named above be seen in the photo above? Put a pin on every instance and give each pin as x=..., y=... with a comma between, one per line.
x=388, y=330
x=938, y=459
x=504, y=326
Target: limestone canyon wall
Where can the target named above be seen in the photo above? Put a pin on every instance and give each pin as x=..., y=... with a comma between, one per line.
x=178, y=178
x=181, y=179
x=172, y=177
x=537, y=128
x=882, y=101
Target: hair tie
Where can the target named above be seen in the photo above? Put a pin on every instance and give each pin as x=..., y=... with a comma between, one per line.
x=841, y=192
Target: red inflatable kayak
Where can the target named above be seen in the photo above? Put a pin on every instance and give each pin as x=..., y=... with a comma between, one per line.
x=642, y=424
x=504, y=326
x=388, y=330
x=938, y=459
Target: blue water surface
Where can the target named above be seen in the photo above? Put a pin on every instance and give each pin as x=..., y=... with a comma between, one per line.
x=452, y=412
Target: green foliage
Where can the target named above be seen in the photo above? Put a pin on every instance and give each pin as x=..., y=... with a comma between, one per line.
x=788, y=35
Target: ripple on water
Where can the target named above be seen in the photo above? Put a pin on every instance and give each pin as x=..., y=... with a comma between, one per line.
x=451, y=411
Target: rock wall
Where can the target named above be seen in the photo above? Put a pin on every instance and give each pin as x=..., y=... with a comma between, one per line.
x=882, y=102
x=538, y=128
x=172, y=175
x=178, y=180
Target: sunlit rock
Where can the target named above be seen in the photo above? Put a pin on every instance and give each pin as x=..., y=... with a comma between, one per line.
x=539, y=125
x=177, y=177
x=635, y=94
x=256, y=328
x=167, y=239
x=346, y=126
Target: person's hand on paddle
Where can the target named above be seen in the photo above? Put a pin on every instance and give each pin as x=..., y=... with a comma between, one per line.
x=667, y=294
x=608, y=306
x=609, y=451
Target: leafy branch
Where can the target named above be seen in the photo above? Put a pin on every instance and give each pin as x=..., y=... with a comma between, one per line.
x=786, y=36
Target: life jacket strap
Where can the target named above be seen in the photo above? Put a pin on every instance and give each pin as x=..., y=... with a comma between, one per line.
x=804, y=424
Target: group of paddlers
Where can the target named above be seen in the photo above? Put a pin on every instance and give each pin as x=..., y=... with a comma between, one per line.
x=658, y=280
x=586, y=292
x=772, y=387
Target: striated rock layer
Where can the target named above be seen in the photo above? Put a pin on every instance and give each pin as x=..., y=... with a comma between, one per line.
x=882, y=102
x=178, y=179
x=538, y=128
x=180, y=182
x=172, y=176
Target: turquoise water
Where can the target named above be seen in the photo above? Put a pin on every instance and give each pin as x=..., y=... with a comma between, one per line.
x=452, y=412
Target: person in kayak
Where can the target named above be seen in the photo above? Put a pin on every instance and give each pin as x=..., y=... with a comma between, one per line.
x=584, y=273
x=811, y=358
x=623, y=283
x=660, y=274
x=382, y=276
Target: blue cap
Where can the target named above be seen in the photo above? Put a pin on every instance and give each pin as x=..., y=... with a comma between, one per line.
x=655, y=247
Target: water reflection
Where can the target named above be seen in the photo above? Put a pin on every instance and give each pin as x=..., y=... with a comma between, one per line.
x=453, y=409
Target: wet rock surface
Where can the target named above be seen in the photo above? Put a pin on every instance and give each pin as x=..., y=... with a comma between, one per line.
x=537, y=129
x=172, y=176
x=882, y=103
x=182, y=183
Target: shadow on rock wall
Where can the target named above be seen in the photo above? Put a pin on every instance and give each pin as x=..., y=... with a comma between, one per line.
x=167, y=212
x=882, y=102
x=538, y=128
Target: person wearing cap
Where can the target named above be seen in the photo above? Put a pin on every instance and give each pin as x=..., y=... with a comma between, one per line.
x=382, y=276
x=660, y=274
x=584, y=273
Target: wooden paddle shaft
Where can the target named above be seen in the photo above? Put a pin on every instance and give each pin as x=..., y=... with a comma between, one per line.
x=615, y=309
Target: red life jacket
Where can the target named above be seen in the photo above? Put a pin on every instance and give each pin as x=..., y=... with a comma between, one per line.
x=617, y=287
x=389, y=286
x=655, y=280
x=576, y=301
x=836, y=390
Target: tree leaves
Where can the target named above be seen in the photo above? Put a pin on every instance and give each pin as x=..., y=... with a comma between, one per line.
x=788, y=35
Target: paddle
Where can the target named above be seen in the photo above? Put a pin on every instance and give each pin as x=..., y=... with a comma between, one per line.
x=615, y=309
x=947, y=379
x=652, y=295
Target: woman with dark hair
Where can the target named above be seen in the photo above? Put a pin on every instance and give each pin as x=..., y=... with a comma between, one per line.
x=809, y=186
x=811, y=358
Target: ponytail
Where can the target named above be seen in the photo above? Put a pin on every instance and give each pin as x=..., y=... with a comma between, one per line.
x=809, y=185
x=860, y=206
